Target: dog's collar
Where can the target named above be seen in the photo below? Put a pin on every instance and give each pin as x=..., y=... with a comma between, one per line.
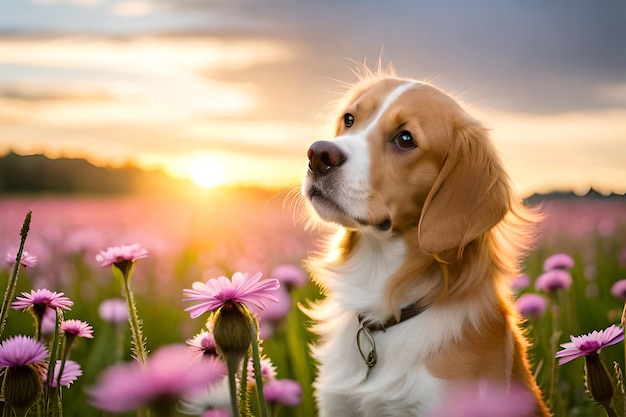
x=364, y=334
x=406, y=313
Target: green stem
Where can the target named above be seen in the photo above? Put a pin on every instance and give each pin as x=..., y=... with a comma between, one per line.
x=139, y=347
x=231, y=365
x=244, y=399
x=66, y=347
x=610, y=411
x=256, y=362
x=553, y=347
x=51, y=365
x=12, y=283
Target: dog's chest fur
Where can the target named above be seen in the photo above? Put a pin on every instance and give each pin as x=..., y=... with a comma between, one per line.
x=400, y=382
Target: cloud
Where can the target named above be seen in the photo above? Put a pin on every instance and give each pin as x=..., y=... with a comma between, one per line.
x=134, y=8
x=248, y=76
x=574, y=150
x=77, y=3
x=148, y=79
x=52, y=91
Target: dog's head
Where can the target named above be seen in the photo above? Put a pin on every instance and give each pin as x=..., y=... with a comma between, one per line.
x=407, y=156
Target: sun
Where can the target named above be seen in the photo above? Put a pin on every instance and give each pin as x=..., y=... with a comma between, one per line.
x=207, y=171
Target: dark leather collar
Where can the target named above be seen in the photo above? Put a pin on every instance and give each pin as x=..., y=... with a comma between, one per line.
x=406, y=313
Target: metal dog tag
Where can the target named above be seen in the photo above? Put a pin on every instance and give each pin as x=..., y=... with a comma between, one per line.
x=369, y=358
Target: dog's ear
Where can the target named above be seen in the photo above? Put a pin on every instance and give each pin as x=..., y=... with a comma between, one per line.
x=469, y=197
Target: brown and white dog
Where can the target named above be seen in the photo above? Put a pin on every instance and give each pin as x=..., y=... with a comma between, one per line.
x=417, y=281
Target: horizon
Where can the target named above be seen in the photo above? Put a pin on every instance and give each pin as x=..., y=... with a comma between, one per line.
x=235, y=93
x=202, y=188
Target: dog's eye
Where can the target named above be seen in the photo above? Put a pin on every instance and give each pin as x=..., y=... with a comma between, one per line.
x=404, y=141
x=348, y=119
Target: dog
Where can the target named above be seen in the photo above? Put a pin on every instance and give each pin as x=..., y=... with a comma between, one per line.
x=416, y=280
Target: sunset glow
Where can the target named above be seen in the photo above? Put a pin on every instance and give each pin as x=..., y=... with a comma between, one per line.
x=207, y=171
x=170, y=87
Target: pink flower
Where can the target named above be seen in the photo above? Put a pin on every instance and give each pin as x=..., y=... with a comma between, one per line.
x=276, y=311
x=217, y=413
x=520, y=282
x=113, y=310
x=119, y=254
x=589, y=344
x=531, y=305
x=27, y=260
x=42, y=298
x=203, y=343
x=49, y=321
x=77, y=328
x=486, y=399
x=619, y=289
x=169, y=373
x=71, y=372
x=283, y=391
x=290, y=275
x=219, y=291
x=558, y=261
x=554, y=280
x=268, y=370
x=20, y=351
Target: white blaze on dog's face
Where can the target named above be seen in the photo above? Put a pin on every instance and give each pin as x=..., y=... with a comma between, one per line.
x=391, y=142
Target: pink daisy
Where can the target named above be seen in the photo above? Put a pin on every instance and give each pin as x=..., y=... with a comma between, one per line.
x=42, y=298
x=220, y=291
x=589, y=344
x=217, y=413
x=554, y=280
x=169, y=374
x=268, y=370
x=49, y=321
x=276, y=311
x=283, y=391
x=113, y=310
x=77, y=328
x=619, y=289
x=27, y=260
x=71, y=372
x=20, y=351
x=520, y=282
x=290, y=275
x=203, y=343
x=531, y=305
x=119, y=254
x=558, y=261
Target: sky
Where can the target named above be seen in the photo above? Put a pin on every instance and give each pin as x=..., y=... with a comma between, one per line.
x=235, y=91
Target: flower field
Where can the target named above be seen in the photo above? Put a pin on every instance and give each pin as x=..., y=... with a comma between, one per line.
x=190, y=239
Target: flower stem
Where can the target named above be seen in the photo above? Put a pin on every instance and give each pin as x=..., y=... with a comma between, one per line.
x=232, y=365
x=244, y=399
x=12, y=283
x=139, y=348
x=610, y=411
x=256, y=362
x=68, y=340
x=52, y=363
x=554, y=339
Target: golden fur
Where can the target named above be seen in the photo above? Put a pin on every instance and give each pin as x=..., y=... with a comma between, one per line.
x=451, y=202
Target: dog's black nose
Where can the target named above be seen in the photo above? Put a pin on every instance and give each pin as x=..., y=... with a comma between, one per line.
x=324, y=156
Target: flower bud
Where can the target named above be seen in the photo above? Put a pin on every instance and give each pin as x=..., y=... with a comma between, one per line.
x=232, y=330
x=598, y=380
x=22, y=385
